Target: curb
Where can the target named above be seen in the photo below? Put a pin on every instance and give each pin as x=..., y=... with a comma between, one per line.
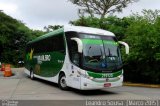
x=141, y=85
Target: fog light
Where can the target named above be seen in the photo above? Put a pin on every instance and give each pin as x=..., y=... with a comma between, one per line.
x=120, y=76
x=85, y=84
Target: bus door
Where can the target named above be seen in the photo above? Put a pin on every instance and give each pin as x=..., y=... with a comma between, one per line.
x=74, y=66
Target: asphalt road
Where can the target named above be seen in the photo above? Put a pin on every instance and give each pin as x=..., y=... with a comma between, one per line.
x=20, y=87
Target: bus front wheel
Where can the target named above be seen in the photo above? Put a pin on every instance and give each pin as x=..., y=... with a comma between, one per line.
x=62, y=82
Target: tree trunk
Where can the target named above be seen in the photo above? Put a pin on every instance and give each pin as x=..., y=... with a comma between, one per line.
x=101, y=21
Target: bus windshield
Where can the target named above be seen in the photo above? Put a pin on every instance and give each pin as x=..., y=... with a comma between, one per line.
x=101, y=54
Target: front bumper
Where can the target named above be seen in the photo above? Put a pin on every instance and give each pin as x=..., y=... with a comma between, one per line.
x=89, y=84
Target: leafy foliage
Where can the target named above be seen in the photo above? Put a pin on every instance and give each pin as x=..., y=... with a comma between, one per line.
x=141, y=32
x=13, y=38
x=50, y=28
x=100, y=8
x=143, y=37
x=111, y=23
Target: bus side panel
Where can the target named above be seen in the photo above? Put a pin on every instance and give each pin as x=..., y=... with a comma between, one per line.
x=48, y=64
x=46, y=56
x=29, y=61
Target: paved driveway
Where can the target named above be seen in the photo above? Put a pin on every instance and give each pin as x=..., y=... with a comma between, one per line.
x=20, y=87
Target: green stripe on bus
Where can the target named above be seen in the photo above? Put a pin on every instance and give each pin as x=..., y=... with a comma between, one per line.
x=110, y=42
x=92, y=41
x=104, y=75
x=98, y=41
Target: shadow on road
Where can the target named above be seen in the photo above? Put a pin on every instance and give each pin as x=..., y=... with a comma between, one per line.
x=92, y=92
x=79, y=92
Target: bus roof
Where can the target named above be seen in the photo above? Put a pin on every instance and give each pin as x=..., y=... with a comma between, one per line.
x=89, y=30
x=79, y=29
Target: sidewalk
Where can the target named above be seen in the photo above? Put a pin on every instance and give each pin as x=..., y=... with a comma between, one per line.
x=17, y=73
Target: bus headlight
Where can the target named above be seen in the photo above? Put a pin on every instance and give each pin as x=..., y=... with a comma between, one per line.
x=91, y=78
x=85, y=76
x=120, y=76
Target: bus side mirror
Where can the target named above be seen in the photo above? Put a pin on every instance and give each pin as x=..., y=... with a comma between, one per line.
x=126, y=46
x=79, y=42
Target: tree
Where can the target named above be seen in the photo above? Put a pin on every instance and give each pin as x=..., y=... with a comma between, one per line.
x=52, y=28
x=148, y=15
x=141, y=32
x=112, y=23
x=101, y=7
x=13, y=38
x=37, y=33
x=143, y=37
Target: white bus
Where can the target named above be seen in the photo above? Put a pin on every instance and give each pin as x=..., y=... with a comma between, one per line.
x=79, y=57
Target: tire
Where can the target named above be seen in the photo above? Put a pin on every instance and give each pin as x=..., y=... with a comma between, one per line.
x=62, y=82
x=32, y=74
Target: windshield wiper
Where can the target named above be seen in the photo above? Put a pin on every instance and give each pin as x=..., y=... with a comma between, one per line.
x=89, y=50
x=109, y=52
x=101, y=52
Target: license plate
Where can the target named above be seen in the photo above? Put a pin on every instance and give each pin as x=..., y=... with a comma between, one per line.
x=107, y=84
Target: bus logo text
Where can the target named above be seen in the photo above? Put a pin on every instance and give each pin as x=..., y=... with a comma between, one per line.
x=107, y=75
x=43, y=58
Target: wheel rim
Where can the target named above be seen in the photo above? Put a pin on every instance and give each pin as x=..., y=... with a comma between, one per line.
x=63, y=82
